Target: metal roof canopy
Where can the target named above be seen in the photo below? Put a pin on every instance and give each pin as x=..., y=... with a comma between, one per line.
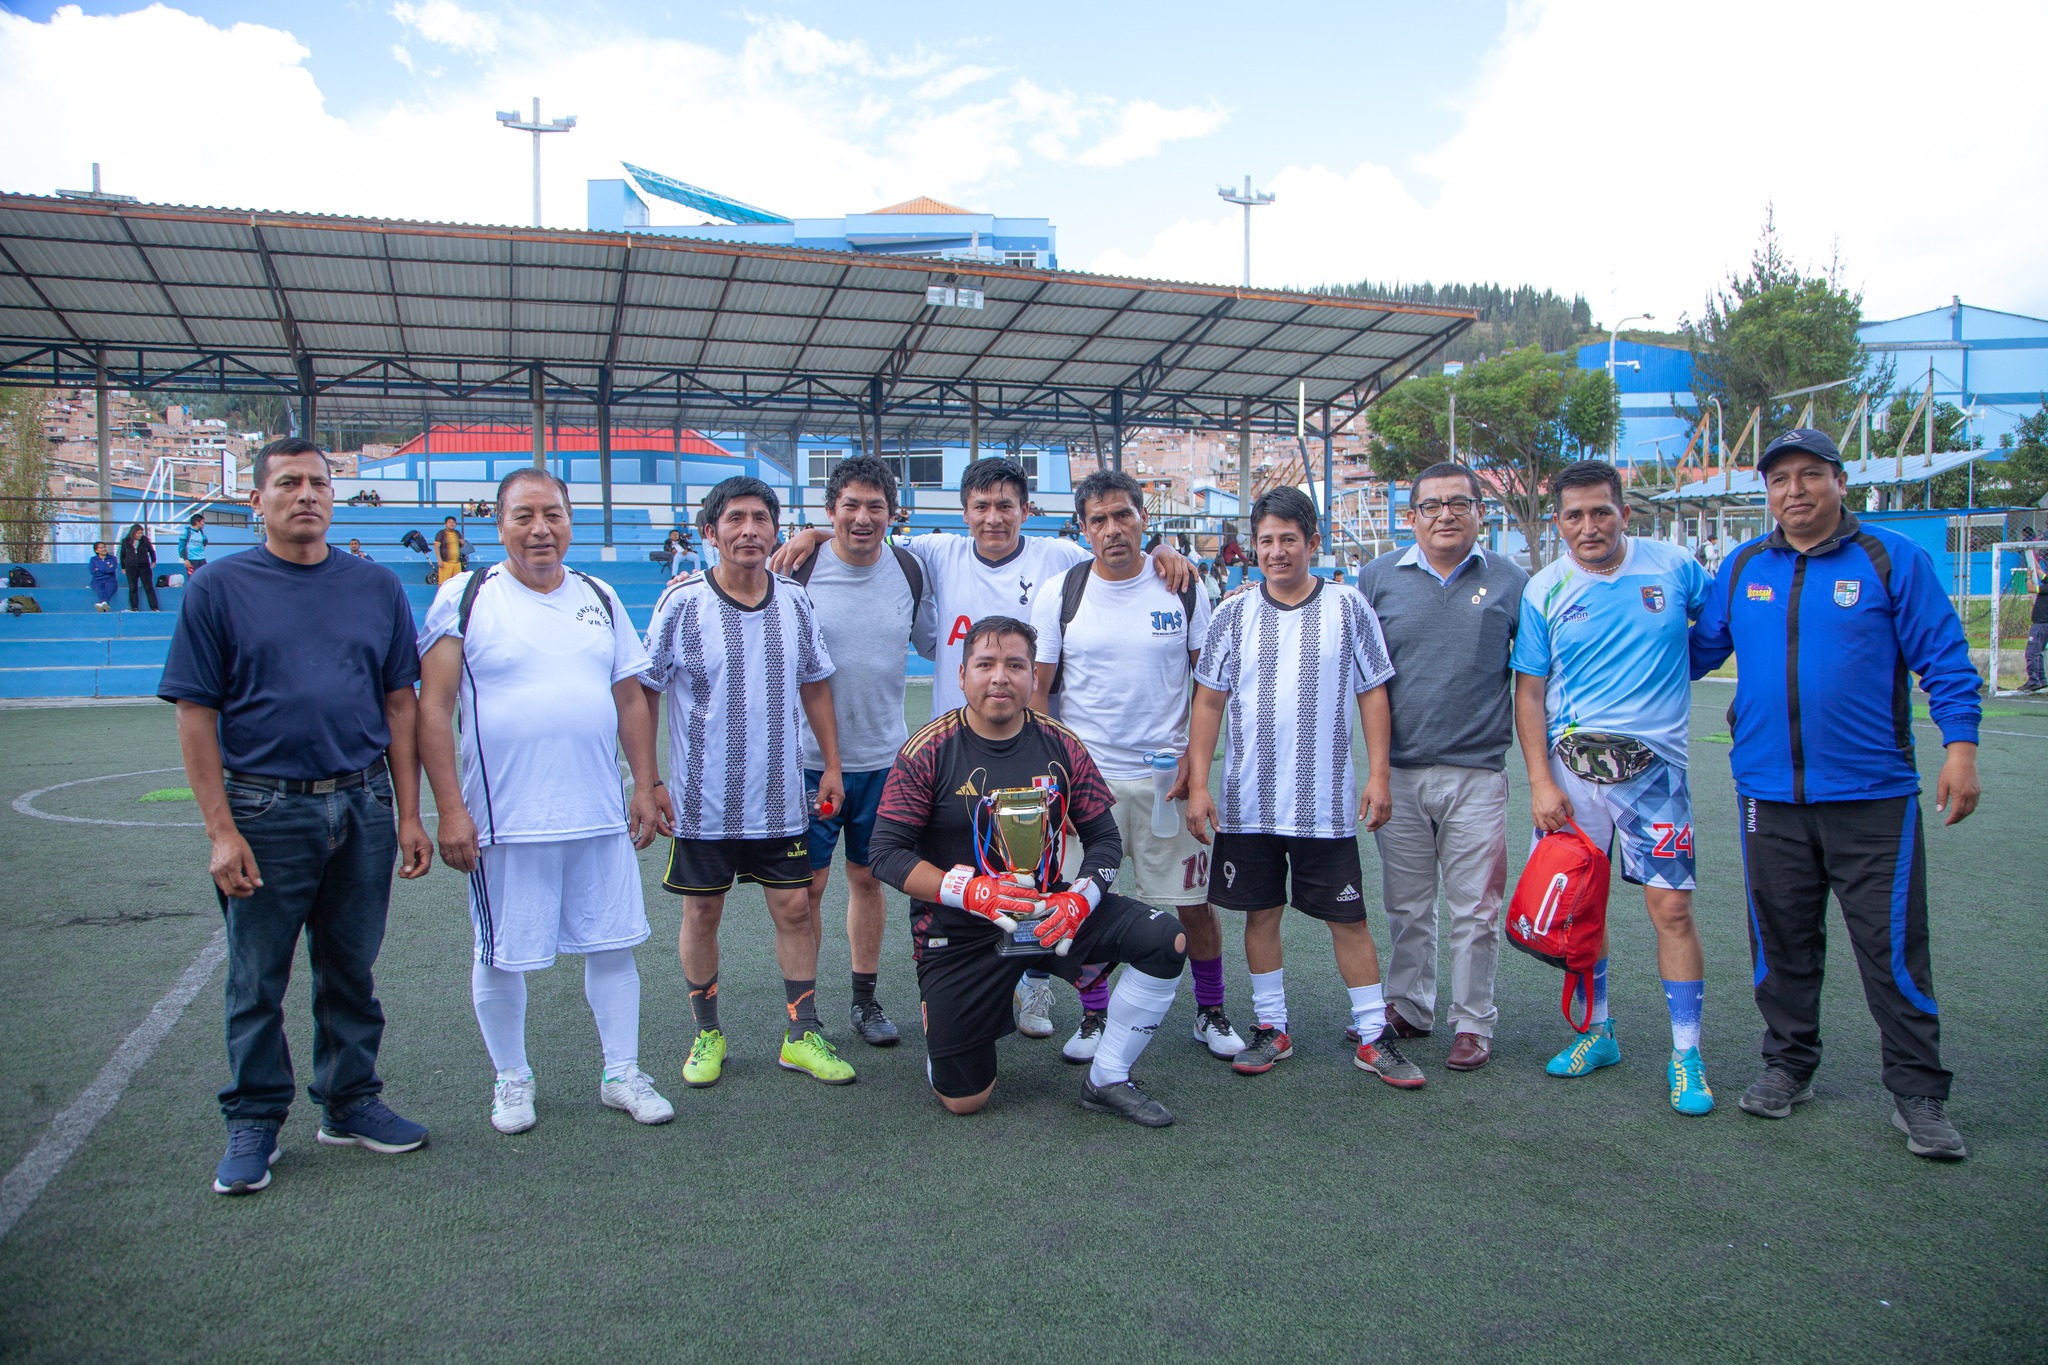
x=440, y=320
x=1879, y=471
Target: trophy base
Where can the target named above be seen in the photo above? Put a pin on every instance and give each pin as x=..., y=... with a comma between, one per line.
x=1023, y=940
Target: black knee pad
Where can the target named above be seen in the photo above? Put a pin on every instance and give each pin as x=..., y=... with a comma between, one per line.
x=1150, y=947
x=964, y=1074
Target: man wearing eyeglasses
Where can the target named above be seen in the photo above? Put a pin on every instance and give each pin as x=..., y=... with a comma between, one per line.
x=1448, y=610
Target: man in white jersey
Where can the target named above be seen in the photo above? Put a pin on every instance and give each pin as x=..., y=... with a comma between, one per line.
x=738, y=653
x=543, y=664
x=1603, y=699
x=992, y=571
x=1120, y=648
x=1287, y=660
x=873, y=607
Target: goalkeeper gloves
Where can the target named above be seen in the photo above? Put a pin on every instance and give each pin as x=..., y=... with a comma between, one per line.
x=998, y=900
x=1067, y=911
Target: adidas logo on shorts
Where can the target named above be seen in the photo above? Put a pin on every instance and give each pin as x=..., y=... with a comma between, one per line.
x=1349, y=893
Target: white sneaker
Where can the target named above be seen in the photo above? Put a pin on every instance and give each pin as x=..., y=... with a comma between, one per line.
x=1033, y=1002
x=1081, y=1047
x=634, y=1092
x=1213, y=1031
x=512, y=1104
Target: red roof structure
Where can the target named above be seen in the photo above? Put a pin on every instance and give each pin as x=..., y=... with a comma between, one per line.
x=498, y=438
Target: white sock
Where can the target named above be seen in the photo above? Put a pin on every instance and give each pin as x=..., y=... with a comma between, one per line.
x=1368, y=1011
x=611, y=983
x=1269, y=999
x=500, y=999
x=1136, y=1006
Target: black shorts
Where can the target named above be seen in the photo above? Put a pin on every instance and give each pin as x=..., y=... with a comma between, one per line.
x=1252, y=872
x=705, y=867
x=966, y=987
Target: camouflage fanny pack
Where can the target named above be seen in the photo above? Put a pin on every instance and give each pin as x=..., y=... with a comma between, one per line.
x=1603, y=758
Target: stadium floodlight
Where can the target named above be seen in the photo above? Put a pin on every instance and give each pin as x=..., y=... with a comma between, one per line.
x=510, y=118
x=1249, y=199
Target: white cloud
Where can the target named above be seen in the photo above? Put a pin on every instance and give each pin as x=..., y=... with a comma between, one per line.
x=954, y=81
x=1143, y=127
x=401, y=56
x=1647, y=198
x=447, y=24
x=793, y=118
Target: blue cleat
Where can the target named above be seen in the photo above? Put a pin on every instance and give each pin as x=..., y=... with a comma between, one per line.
x=373, y=1126
x=246, y=1167
x=1597, y=1049
x=1687, y=1075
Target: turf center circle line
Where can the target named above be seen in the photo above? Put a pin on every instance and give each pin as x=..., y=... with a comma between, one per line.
x=26, y=804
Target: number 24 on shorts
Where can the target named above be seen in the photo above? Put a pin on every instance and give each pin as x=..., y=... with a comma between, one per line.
x=1672, y=840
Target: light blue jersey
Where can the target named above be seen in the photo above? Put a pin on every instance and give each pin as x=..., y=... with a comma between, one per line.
x=1614, y=647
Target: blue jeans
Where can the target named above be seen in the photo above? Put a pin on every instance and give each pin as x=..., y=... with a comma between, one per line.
x=2037, y=638
x=326, y=863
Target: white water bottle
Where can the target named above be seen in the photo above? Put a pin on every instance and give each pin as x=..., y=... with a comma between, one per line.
x=1165, y=813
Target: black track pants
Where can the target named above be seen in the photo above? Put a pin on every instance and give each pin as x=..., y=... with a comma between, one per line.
x=1870, y=854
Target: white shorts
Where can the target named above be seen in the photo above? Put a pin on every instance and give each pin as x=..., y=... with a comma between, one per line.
x=1171, y=872
x=530, y=901
x=1650, y=816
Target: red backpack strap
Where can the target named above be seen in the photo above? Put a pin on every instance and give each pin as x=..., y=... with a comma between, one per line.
x=1572, y=979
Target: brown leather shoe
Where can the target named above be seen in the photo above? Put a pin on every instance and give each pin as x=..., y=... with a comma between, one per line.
x=1395, y=1025
x=1469, y=1052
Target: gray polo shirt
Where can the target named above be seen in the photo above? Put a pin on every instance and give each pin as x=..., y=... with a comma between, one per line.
x=1451, y=696
x=867, y=618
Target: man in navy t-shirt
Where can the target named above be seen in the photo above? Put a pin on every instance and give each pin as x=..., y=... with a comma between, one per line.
x=292, y=670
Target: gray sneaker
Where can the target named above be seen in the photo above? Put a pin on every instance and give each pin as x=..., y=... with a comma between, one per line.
x=1125, y=1100
x=1772, y=1095
x=873, y=1026
x=1924, y=1121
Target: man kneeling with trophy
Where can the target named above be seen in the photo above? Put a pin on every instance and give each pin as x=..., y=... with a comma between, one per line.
x=972, y=828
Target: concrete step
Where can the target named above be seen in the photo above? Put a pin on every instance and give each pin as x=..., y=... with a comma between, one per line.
x=79, y=682
x=87, y=625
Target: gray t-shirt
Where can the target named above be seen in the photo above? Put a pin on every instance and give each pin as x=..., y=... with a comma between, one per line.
x=867, y=618
x=1450, y=697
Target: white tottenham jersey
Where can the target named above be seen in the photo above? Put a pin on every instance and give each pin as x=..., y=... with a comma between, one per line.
x=1292, y=674
x=735, y=713
x=965, y=587
x=539, y=724
x=1125, y=688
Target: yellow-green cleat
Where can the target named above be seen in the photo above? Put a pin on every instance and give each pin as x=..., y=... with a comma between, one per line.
x=816, y=1057
x=707, y=1059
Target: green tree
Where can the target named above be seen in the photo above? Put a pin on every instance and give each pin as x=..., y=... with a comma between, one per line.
x=2021, y=478
x=1776, y=330
x=1521, y=418
x=1509, y=318
x=26, y=507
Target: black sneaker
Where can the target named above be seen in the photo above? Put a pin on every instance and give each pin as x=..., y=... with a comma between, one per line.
x=873, y=1026
x=1125, y=1100
x=1772, y=1095
x=1924, y=1121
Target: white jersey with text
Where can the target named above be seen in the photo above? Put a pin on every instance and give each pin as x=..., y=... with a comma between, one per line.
x=539, y=724
x=1292, y=674
x=965, y=587
x=732, y=675
x=1126, y=652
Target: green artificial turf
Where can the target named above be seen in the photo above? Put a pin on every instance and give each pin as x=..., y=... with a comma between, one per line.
x=1312, y=1213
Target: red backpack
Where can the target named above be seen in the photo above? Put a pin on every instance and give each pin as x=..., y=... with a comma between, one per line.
x=1560, y=910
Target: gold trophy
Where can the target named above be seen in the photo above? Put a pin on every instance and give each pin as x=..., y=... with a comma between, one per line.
x=1022, y=819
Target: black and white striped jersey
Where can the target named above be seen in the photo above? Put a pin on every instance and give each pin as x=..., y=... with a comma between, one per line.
x=1292, y=674
x=735, y=714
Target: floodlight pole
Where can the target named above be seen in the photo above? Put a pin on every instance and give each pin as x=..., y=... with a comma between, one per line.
x=510, y=118
x=1614, y=443
x=103, y=439
x=1249, y=199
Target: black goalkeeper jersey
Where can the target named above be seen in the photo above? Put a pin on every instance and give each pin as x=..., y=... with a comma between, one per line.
x=929, y=801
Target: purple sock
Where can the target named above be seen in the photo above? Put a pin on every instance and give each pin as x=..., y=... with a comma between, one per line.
x=1208, y=981
x=1096, y=997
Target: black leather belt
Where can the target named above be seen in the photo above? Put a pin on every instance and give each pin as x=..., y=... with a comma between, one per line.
x=299, y=786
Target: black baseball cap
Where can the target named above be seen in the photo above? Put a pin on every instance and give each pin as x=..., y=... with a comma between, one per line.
x=1815, y=443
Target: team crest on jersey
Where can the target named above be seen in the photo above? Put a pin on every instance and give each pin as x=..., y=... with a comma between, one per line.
x=1848, y=591
x=1761, y=592
x=1653, y=598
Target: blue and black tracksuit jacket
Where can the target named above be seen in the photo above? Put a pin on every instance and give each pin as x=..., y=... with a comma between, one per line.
x=1829, y=639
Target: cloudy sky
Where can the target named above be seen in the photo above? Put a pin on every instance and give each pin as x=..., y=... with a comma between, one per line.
x=1621, y=149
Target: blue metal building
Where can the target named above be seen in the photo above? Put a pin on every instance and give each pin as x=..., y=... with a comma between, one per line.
x=1992, y=365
